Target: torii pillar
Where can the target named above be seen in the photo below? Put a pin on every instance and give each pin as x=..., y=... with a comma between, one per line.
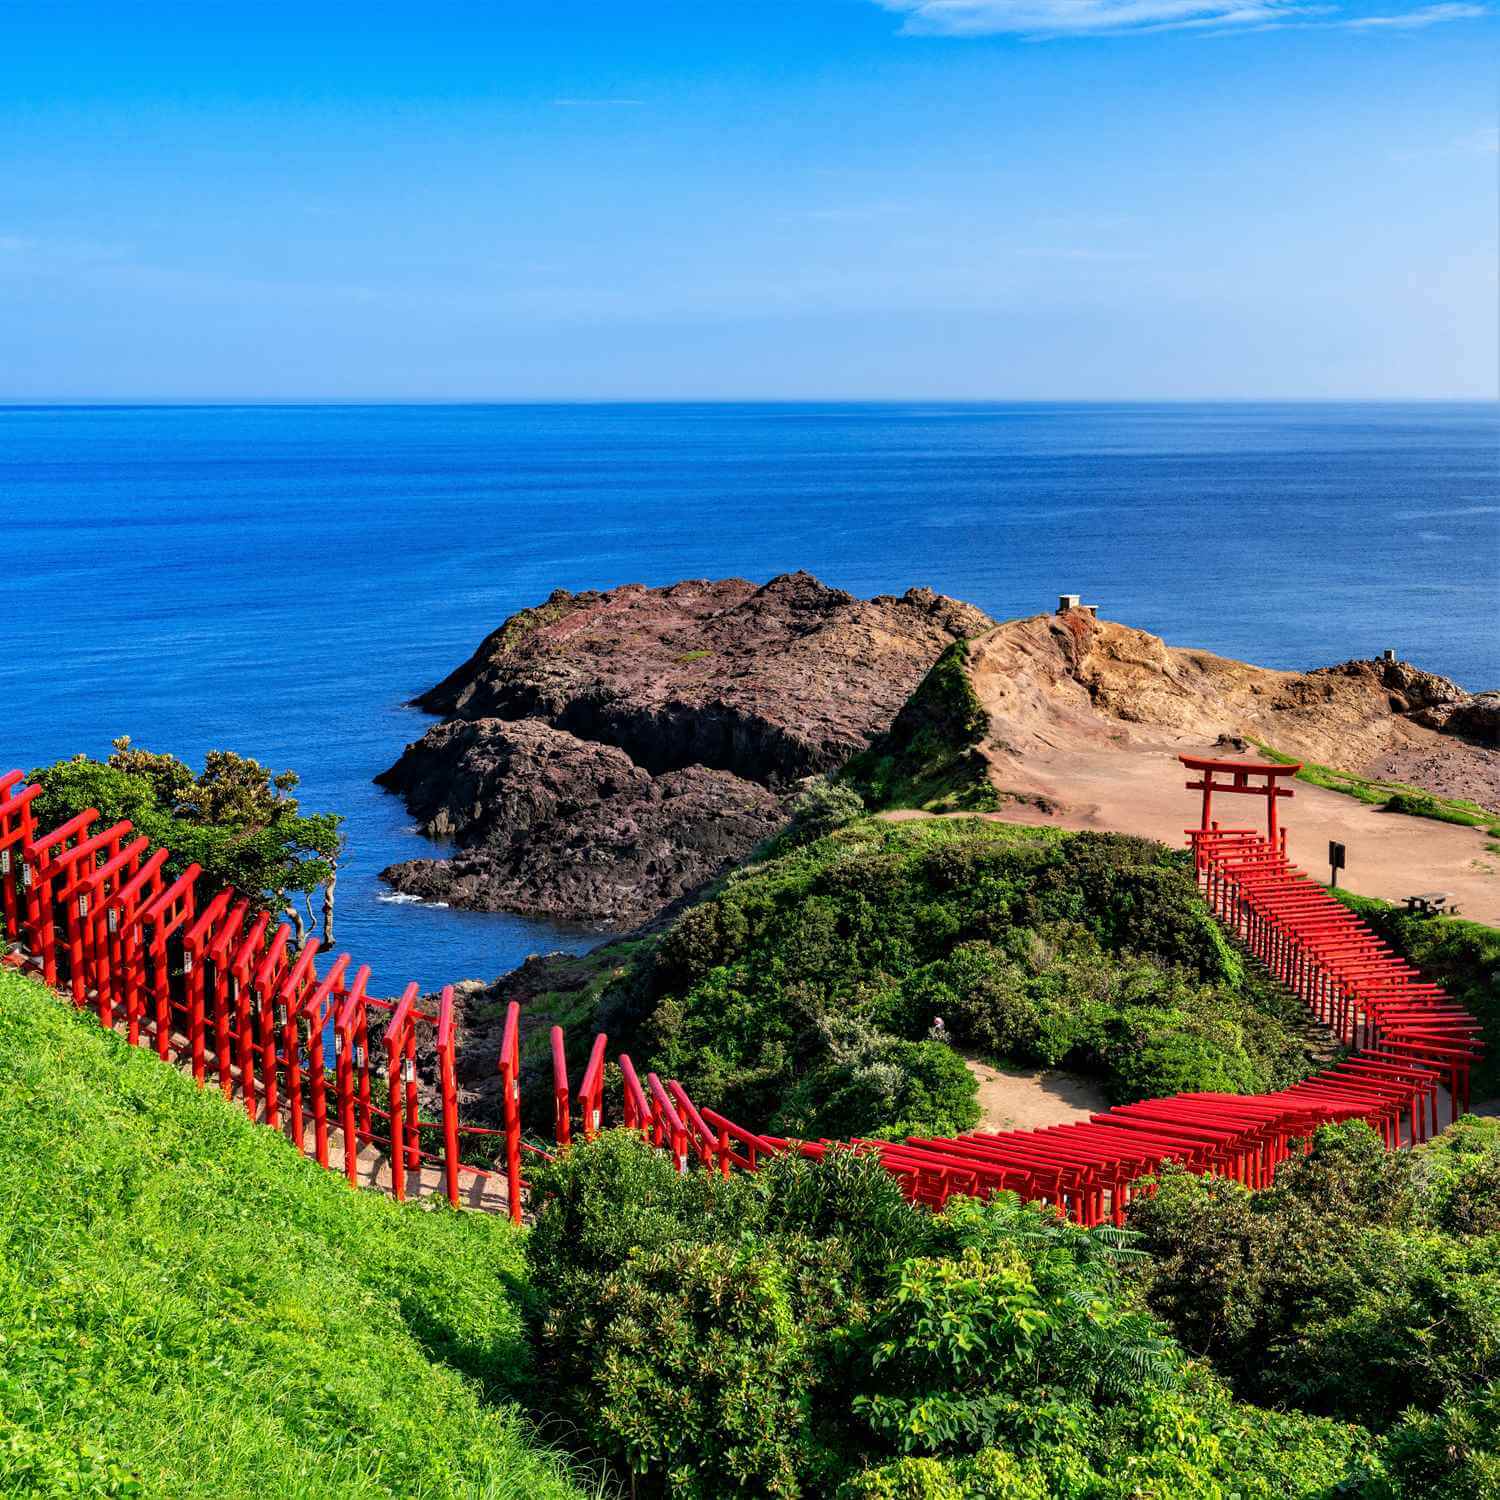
x=1256, y=778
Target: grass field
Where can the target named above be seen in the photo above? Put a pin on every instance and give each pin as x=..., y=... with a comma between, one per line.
x=190, y=1308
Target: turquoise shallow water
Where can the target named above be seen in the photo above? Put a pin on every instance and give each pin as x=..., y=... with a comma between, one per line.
x=279, y=580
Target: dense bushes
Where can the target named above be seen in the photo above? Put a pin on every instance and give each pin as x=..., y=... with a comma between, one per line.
x=804, y=1332
x=1363, y=1284
x=929, y=756
x=801, y=994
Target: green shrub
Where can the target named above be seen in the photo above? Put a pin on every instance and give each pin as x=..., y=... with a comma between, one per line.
x=1342, y=1290
x=780, y=997
x=991, y=1475
x=824, y=806
x=913, y=1088
x=235, y=818
x=1462, y=956
x=1450, y=1454
x=1463, y=1176
x=1444, y=809
x=803, y=1332
x=699, y=1358
x=929, y=757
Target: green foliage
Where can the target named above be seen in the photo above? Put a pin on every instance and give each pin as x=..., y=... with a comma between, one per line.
x=190, y=1308
x=1462, y=1177
x=1344, y=1289
x=702, y=1360
x=1450, y=1454
x=804, y=1332
x=1417, y=804
x=801, y=992
x=959, y=1344
x=1389, y=796
x=929, y=758
x=824, y=806
x=1462, y=956
x=909, y=1087
x=235, y=818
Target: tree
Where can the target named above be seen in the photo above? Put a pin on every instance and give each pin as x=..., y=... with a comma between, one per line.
x=235, y=819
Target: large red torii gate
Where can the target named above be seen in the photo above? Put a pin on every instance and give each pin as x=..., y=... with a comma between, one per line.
x=1242, y=776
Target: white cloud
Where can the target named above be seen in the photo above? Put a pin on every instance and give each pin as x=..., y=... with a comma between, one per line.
x=960, y=18
x=1412, y=20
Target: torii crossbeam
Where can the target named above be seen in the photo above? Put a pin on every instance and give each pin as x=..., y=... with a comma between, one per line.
x=1257, y=778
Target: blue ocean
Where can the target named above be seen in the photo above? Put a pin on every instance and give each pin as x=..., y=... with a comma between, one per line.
x=280, y=580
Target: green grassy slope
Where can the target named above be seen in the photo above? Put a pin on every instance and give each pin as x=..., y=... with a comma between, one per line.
x=929, y=757
x=1389, y=796
x=189, y=1308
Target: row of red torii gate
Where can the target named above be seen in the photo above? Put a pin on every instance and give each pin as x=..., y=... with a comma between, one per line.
x=368, y=1085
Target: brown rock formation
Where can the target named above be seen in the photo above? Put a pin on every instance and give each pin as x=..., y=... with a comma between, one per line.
x=1052, y=682
x=605, y=753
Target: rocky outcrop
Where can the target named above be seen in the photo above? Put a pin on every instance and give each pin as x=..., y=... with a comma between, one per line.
x=553, y=825
x=1056, y=681
x=605, y=753
x=1476, y=718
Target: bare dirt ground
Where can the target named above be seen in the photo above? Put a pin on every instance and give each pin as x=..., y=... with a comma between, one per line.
x=1087, y=718
x=1068, y=682
x=1028, y=1101
x=1141, y=789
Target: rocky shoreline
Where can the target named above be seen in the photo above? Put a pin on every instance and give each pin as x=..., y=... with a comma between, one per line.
x=606, y=753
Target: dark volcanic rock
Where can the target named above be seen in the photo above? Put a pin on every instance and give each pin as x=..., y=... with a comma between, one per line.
x=605, y=753
x=771, y=683
x=555, y=826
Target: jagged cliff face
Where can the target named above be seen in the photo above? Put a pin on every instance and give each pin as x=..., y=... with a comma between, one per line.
x=605, y=753
x=1051, y=682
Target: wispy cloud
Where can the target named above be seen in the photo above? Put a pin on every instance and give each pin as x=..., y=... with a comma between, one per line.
x=593, y=103
x=1485, y=141
x=1054, y=18
x=1414, y=20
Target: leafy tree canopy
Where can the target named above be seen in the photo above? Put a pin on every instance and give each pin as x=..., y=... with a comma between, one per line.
x=235, y=818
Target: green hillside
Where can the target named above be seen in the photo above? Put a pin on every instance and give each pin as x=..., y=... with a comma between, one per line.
x=189, y=1308
x=801, y=991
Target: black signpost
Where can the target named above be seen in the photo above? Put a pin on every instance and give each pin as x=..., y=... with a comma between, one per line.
x=1335, y=863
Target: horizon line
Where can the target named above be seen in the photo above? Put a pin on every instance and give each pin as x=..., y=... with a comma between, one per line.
x=331, y=402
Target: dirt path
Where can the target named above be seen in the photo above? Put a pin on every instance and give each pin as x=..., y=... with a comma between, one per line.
x=1027, y=1101
x=1140, y=789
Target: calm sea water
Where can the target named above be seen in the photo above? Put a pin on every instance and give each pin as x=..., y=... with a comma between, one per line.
x=278, y=580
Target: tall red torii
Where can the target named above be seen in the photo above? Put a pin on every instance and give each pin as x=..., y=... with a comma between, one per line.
x=1241, y=774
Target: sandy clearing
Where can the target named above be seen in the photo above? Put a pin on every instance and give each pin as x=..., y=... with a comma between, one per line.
x=1140, y=789
x=1028, y=1101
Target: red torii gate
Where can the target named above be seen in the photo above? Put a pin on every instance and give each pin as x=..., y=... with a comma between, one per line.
x=1242, y=777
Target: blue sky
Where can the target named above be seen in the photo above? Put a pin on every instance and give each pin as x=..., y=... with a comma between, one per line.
x=1042, y=199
